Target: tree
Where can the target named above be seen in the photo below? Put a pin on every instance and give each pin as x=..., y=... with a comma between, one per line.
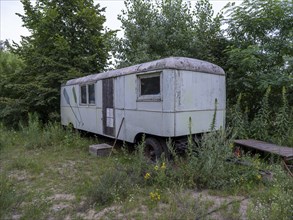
x=261, y=54
x=4, y=45
x=67, y=40
x=12, y=107
x=154, y=30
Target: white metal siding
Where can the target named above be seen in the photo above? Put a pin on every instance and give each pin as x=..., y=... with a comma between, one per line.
x=200, y=121
x=130, y=91
x=168, y=90
x=195, y=99
x=119, y=93
x=184, y=94
x=198, y=91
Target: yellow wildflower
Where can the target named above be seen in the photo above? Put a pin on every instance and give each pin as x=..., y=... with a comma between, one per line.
x=158, y=196
x=258, y=177
x=163, y=166
x=156, y=167
x=155, y=196
x=147, y=176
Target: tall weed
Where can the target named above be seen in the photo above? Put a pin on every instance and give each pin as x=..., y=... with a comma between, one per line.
x=36, y=135
x=260, y=125
x=113, y=186
x=239, y=119
x=210, y=163
x=32, y=132
x=2, y=137
x=266, y=125
x=282, y=121
x=8, y=197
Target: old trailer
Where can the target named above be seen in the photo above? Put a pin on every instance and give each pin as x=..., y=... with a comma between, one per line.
x=158, y=98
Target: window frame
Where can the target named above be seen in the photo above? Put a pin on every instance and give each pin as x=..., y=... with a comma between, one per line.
x=87, y=86
x=88, y=97
x=81, y=96
x=151, y=97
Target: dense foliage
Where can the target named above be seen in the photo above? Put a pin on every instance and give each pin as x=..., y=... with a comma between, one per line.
x=154, y=30
x=12, y=104
x=67, y=40
x=261, y=51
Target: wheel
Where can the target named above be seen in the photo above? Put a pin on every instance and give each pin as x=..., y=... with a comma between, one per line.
x=153, y=148
x=165, y=149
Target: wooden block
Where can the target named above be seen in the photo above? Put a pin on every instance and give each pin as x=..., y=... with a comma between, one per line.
x=100, y=150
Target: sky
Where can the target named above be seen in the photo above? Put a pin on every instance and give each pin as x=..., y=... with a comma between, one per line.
x=11, y=24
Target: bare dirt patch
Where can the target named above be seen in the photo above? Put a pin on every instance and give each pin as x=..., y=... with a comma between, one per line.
x=60, y=207
x=62, y=197
x=220, y=202
x=219, y=207
x=92, y=214
x=19, y=175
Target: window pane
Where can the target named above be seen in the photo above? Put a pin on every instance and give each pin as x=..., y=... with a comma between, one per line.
x=91, y=91
x=150, y=85
x=83, y=94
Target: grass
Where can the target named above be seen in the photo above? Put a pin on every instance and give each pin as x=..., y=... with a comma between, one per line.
x=47, y=172
x=32, y=174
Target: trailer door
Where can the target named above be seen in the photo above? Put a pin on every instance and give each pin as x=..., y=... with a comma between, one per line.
x=108, y=107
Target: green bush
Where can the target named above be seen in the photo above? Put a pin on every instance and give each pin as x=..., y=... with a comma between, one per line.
x=209, y=163
x=114, y=186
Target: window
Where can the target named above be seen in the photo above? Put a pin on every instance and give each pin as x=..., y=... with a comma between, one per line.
x=83, y=95
x=91, y=92
x=87, y=94
x=149, y=87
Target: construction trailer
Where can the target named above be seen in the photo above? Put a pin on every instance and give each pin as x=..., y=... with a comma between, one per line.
x=166, y=98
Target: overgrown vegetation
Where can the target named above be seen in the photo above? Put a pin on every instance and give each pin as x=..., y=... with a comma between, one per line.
x=39, y=164
x=270, y=124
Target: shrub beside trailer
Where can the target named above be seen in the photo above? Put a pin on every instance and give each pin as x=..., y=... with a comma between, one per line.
x=161, y=99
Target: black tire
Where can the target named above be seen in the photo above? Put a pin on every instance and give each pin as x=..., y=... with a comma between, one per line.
x=165, y=148
x=153, y=149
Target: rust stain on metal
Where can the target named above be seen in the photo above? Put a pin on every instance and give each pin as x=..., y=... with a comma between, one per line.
x=285, y=152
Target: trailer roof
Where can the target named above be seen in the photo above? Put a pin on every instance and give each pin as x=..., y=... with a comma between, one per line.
x=179, y=63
